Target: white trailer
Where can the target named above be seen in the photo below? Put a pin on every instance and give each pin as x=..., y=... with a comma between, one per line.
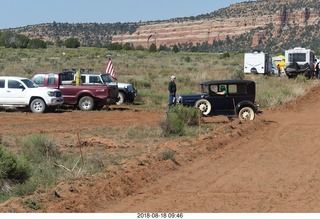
x=257, y=63
x=299, y=55
x=299, y=61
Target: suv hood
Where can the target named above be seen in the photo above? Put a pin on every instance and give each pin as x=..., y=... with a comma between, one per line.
x=120, y=84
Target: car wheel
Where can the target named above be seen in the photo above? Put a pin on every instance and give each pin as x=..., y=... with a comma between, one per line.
x=246, y=113
x=86, y=103
x=121, y=98
x=204, y=106
x=38, y=106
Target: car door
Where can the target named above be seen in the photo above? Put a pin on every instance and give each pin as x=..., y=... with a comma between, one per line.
x=222, y=104
x=15, y=92
x=3, y=92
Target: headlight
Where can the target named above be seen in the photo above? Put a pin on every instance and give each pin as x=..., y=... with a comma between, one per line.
x=51, y=93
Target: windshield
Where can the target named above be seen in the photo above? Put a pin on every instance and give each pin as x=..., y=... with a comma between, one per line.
x=29, y=83
x=106, y=78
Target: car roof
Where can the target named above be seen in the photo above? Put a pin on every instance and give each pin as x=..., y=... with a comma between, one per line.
x=12, y=77
x=227, y=82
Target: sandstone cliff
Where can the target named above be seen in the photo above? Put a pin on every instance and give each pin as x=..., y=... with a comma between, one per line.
x=232, y=22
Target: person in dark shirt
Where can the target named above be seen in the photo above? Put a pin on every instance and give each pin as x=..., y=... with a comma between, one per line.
x=172, y=91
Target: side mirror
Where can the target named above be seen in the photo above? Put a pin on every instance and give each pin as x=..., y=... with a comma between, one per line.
x=21, y=87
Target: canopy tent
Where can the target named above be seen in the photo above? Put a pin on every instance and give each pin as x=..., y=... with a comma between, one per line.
x=279, y=60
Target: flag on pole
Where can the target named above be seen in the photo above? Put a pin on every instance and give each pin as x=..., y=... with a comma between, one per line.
x=110, y=69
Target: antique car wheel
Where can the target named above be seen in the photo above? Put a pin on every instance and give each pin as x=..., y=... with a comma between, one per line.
x=204, y=106
x=86, y=103
x=38, y=106
x=246, y=113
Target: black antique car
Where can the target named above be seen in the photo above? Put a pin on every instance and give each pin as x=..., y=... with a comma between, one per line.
x=231, y=98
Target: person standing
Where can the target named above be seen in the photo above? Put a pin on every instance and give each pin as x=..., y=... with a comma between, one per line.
x=172, y=91
x=279, y=70
x=318, y=70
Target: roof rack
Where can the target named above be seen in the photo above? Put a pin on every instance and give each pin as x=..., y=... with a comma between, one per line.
x=82, y=70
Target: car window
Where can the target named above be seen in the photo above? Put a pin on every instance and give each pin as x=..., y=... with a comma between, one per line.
x=232, y=89
x=214, y=88
x=14, y=84
x=29, y=83
x=222, y=87
x=67, y=77
x=106, y=78
x=242, y=89
x=83, y=78
x=1, y=83
x=39, y=80
x=51, y=80
x=94, y=79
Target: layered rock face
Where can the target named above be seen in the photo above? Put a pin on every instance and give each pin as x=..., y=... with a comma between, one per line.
x=209, y=30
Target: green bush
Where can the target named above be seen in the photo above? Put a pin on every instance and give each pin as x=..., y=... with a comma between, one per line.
x=177, y=119
x=13, y=168
x=30, y=203
x=72, y=43
x=167, y=155
x=188, y=115
x=38, y=146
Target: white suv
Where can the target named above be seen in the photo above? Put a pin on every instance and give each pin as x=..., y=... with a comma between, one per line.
x=127, y=92
x=18, y=92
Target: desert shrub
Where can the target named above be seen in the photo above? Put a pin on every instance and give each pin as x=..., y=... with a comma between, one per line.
x=188, y=115
x=30, y=203
x=177, y=119
x=12, y=168
x=172, y=125
x=37, y=146
x=167, y=155
x=301, y=78
x=45, y=164
x=72, y=43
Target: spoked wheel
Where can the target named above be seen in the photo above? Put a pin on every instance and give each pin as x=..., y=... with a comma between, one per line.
x=246, y=113
x=204, y=106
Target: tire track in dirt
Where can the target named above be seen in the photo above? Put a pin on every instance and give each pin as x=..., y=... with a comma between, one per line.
x=275, y=169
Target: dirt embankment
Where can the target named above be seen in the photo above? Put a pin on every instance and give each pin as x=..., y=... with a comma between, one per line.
x=269, y=165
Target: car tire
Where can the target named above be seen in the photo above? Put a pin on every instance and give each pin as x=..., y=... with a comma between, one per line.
x=204, y=106
x=121, y=98
x=86, y=103
x=38, y=106
x=246, y=114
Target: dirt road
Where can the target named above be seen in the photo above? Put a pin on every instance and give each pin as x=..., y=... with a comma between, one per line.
x=269, y=165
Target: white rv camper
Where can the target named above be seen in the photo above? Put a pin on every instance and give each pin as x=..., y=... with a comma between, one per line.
x=257, y=63
x=300, y=56
x=299, y=61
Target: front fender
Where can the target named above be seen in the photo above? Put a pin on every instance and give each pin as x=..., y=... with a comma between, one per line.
x=247, y=104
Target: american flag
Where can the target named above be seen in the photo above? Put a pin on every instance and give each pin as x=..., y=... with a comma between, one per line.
x=110, y=69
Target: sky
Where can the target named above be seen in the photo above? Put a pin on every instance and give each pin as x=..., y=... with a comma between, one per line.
x=19, y=13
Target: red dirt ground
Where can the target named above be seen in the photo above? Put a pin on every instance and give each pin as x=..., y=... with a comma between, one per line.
x=271, y=164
